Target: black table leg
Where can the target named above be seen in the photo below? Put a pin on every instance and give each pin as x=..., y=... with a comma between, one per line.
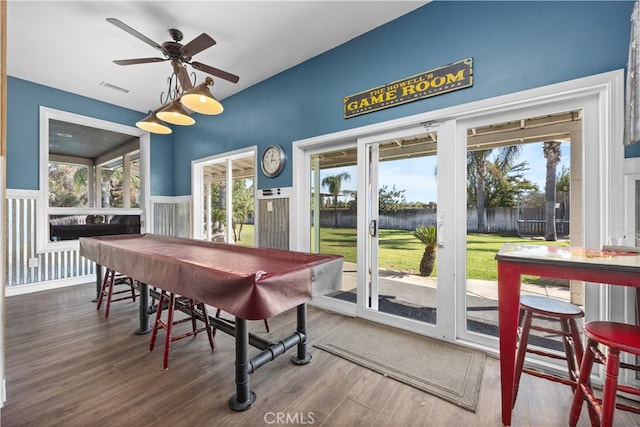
x=244, y=397
x=303, y=357
x=144, y=309
x=98, y=281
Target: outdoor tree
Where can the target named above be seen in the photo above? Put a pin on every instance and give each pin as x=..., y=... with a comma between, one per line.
x=218, y=217
x=497, y=183
x=242, y=202
x=67, y=185
x=479, y=169
x=113, y=187
x=353, y=199
x=429, y=236
x=334, y=185
x=532, y=199
x=552, y=153
x=563, y=186
x=218, y=208
x=504, y=186
x=390, y=200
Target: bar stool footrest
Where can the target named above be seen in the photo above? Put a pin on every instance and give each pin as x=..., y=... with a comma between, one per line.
x=550, y=377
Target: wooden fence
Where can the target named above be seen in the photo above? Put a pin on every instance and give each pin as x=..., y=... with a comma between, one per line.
x=524, y=222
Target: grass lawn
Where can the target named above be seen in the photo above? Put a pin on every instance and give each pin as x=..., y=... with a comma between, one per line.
x=400, y=251
x=247, y=236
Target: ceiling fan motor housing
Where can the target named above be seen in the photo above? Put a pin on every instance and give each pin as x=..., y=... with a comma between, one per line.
x=173, y=51
x=175, y=34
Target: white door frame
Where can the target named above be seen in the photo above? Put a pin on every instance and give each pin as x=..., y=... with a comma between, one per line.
x=46, y=114
x=197, y=188
x=603, y=157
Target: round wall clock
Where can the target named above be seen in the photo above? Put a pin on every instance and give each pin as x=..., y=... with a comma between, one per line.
x=272, y=160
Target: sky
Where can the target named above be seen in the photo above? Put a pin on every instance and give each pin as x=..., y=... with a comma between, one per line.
x=417, y=176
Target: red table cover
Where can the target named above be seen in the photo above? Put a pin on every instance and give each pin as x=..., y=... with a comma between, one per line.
x=251, y=283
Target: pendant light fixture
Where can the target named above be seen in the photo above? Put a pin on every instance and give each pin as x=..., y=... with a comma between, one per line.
x=180, y=100
x=200, y=99
x=175, y=114
x=152, y=124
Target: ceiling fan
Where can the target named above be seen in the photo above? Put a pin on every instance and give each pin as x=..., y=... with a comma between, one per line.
x=177, y=53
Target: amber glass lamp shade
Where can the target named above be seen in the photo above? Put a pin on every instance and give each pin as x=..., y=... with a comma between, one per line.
x=153, y=125
x=200, y=99
x=175, y=114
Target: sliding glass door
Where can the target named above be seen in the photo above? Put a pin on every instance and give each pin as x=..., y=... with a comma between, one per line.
x=522, y=186
x=400, y=233
x=224, y=198
x=536, y=167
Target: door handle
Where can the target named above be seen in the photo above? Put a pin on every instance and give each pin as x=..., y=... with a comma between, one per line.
x=440, y=233
x=373, y=228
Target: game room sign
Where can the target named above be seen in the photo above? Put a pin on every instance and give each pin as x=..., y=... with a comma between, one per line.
x=458, y=75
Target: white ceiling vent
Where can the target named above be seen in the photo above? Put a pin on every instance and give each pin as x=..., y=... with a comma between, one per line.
x=114, y=87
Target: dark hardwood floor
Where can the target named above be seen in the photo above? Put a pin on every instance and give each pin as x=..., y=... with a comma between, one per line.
x=68, y=366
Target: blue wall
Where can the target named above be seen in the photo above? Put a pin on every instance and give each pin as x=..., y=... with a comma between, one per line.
x=514, y=46
x=23, y=135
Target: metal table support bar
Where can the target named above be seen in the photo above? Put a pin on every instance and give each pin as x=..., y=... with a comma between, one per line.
x=143, y=312
x=303, y=356
x=244, y=397
x=274, y=350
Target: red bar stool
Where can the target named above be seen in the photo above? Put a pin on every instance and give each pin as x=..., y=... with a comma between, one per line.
x=557, y=311
x=616, y=337
x=189, y=304
x=109, y=282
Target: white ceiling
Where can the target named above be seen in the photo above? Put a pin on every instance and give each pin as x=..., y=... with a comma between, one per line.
x=70, y=46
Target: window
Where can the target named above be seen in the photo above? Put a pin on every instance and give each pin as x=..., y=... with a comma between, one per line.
x=92, y=179
x=223, y=188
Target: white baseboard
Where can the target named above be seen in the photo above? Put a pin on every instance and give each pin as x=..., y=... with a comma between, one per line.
x=48, y=285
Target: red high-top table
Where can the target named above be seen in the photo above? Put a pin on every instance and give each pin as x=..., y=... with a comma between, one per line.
x=514, y=260
x=248, y=283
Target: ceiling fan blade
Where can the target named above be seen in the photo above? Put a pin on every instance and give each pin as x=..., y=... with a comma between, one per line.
x=134, y=33
x=197, y=45
x=138, y=61
x=215, y=72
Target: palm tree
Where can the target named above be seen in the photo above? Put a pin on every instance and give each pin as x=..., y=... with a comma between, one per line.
x=478, y=170
x=428, y=236
x=218, y=217
x=334, y=182
x=552, y=153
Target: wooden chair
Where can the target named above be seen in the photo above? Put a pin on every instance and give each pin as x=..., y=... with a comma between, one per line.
x=616, y=337
x=109, y=282
x=190, y=305
x=533, y=307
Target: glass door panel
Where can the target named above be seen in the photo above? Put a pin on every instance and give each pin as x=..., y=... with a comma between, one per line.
x=243, y=201
x=215, y=205
x=334, y=213
x=519, y=185
x=402, y=224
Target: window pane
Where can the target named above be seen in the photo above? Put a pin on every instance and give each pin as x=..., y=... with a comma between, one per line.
x=243, y=202
x=114, y=189
x=68, y=185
